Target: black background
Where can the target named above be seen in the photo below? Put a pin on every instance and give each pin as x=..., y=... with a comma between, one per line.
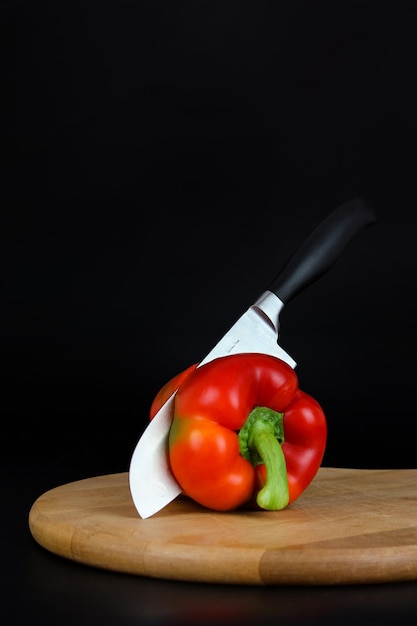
x=161, y=162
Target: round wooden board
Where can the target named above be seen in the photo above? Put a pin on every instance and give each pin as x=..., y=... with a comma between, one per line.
x=349, y=526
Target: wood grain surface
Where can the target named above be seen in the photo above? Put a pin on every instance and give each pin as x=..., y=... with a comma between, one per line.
x=350, y=526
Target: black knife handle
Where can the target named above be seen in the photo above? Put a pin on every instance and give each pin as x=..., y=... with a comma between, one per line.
x=322, y=248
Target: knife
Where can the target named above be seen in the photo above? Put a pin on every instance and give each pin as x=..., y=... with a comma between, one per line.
x=151, y=482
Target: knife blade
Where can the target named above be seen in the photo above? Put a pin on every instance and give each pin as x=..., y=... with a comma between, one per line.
x=151, y=482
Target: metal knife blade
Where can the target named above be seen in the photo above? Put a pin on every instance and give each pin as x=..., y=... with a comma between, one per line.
x=151, y=482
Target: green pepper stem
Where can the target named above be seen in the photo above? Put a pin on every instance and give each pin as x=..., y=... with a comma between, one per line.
x=260, y=441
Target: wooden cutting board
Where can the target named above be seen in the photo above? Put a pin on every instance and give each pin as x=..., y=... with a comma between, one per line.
x=349, y=526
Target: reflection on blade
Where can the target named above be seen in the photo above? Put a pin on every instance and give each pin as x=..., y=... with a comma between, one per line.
x=255, y=331
x=151, y=482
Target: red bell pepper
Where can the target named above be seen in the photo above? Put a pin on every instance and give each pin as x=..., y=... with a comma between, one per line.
x=243, y=433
